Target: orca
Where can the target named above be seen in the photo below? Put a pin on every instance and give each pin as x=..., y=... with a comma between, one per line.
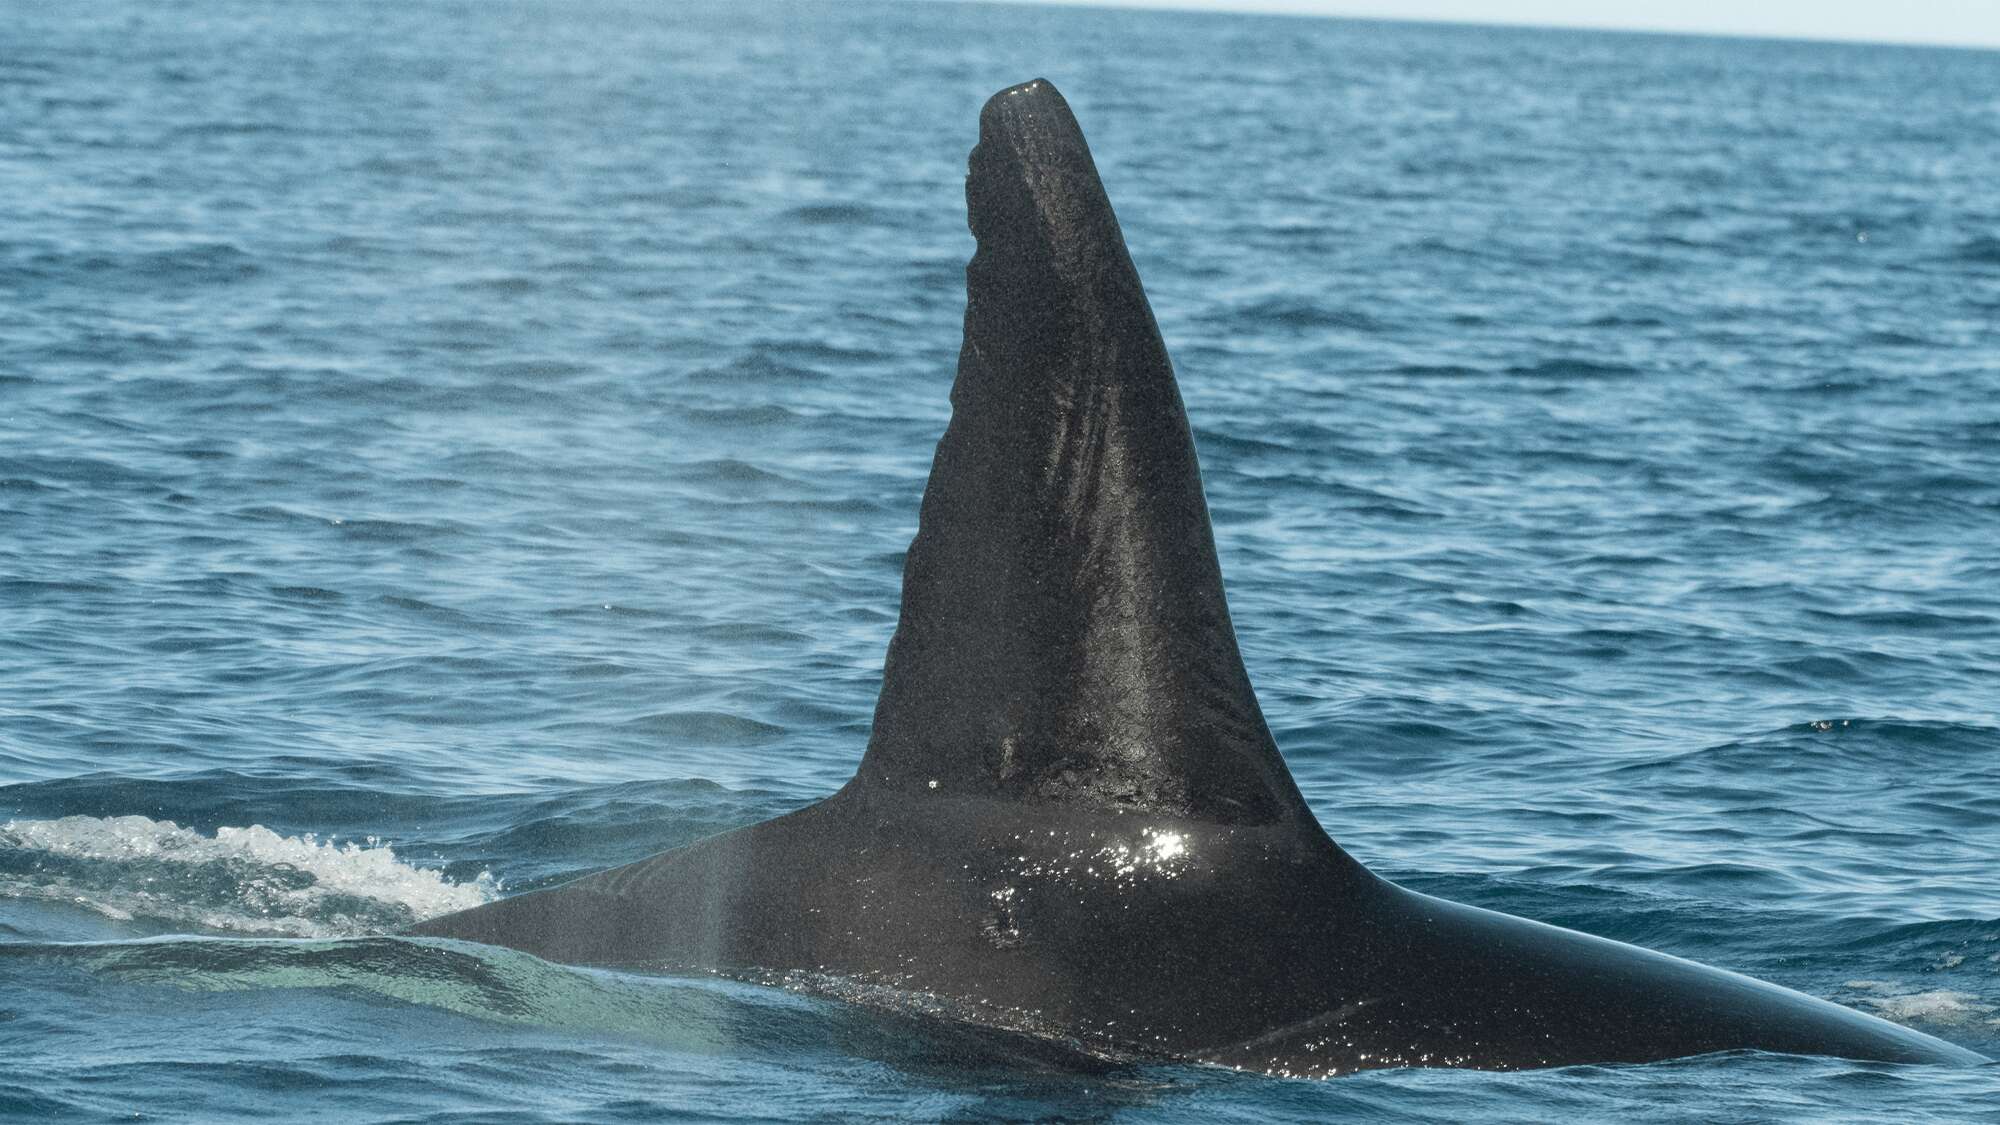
x=1071, y=819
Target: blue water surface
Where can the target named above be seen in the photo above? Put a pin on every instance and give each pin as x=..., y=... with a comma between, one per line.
x=447, y=447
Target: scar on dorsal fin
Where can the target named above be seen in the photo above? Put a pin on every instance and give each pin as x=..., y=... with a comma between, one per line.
x=1064, y=635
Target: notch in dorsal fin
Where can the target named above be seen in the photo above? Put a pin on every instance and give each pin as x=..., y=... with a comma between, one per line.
x=1064, y=635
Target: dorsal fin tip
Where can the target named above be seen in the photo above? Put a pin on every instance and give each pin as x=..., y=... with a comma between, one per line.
x=1064, y=635
x=1023, y=105
x=1031, y=91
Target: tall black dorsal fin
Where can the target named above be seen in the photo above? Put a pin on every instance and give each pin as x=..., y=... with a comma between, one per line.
x=1064, y=635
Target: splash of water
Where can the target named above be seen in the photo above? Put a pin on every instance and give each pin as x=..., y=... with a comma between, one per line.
x=240, y=880
x=1944, y=1006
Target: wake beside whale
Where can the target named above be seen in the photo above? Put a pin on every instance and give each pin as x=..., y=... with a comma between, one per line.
x=1071, y=818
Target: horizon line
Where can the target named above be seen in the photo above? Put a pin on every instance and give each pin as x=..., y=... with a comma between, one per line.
x=1309, y=9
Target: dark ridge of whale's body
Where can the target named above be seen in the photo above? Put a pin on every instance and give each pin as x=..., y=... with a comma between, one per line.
x=1071, y=818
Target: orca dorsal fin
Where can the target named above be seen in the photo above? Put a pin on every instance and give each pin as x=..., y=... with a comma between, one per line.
x=1064, y=635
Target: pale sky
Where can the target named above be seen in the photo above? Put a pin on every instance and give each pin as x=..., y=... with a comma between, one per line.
x=1965, y=23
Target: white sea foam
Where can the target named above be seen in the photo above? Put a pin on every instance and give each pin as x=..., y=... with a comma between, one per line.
x=1937, y=1005
x=240, y=880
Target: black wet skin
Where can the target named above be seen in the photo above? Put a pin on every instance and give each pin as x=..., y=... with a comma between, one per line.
x=1071, y=818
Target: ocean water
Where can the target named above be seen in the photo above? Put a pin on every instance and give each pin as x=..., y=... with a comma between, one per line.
x=449, y=447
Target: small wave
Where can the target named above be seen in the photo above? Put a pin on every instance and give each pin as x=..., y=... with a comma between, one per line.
x=817, y=351
x=308, y=594
x=1435, y=371
x=416, y=606
x=1985, y=251
x=707, y=728
x=482, y=982
x=1930, y=736
x=756, y=367
x=204, y=262
x=1905, y=621
x=729, y=470
x=1626, y=320
x=1564, y=367
x=50, y=586
x=1208, y=439
x=838, y=214
x=767, y=1015
x=844, y=506
x=747, y=417
x=1287, y=312
x=24, y=74
x=632, y=612
x=240, y=880
x=533, y=369
x=193, y=264
x=505, y=285
x=744, y=632
x=1888, y=338
x=236, y=129
x=392, y=531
